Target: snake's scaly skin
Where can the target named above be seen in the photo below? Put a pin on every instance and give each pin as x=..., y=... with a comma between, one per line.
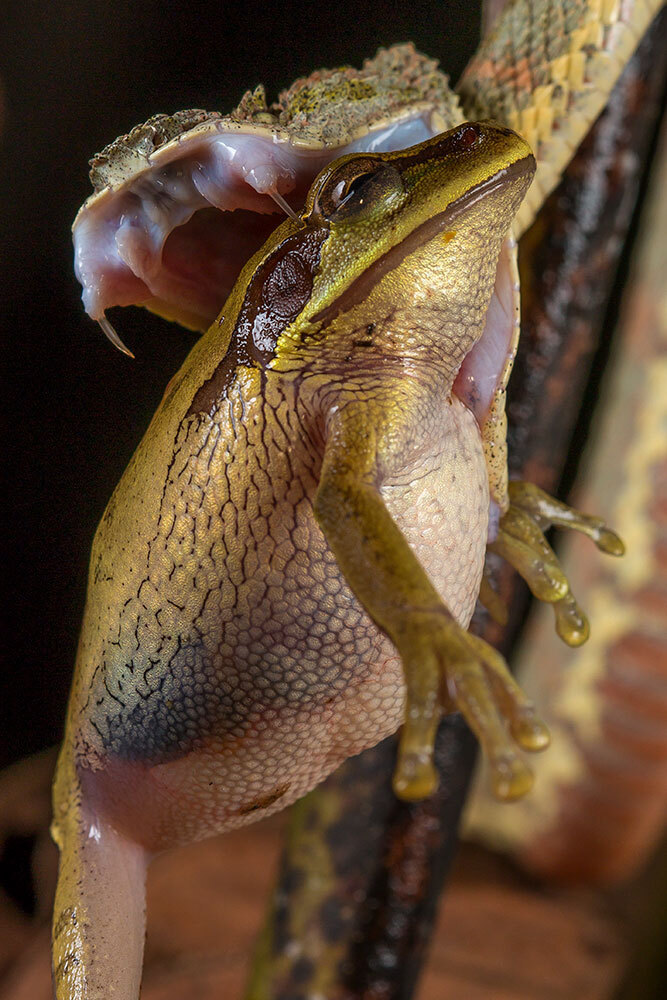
x=546, y=70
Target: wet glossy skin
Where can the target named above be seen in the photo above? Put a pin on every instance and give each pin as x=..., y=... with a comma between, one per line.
x=308, y=478
x=311, y=490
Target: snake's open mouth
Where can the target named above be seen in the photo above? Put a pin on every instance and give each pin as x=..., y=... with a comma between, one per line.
x=175, y=236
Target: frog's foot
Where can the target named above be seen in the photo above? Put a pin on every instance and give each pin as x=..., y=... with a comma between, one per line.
x=522, y=543
x=447, y=668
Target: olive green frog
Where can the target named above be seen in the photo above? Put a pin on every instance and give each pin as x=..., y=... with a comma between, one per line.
x=286, y=571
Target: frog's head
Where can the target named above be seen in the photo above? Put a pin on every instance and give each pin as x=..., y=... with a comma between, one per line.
x=395, y=251
x=419, y=223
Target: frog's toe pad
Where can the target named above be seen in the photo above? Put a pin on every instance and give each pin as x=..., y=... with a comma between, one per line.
x=530, y=732
x=448, y=669
x=521, y=542
x=511, y=778
x=415, y=777
x=571, y=622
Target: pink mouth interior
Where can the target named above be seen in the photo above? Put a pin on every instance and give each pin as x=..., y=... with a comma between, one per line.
x=208, y=197
x=202, y=259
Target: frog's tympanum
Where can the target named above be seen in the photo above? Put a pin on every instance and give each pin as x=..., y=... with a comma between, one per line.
x=286, y=571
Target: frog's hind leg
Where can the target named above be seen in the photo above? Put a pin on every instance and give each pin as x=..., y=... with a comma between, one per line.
x=99, y=912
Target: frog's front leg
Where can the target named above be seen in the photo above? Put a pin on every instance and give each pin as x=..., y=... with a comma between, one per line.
x=445, y=667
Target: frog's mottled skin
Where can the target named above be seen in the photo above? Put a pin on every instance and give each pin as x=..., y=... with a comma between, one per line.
x=287, y=568
x=229, y=658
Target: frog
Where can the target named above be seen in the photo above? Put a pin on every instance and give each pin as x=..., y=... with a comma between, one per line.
x=286, y=571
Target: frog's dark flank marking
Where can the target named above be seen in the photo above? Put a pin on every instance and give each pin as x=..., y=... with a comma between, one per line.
x=277, y=293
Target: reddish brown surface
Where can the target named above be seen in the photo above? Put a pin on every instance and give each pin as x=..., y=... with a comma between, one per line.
x=497, y=938
x=501, y=938
x=608, y=822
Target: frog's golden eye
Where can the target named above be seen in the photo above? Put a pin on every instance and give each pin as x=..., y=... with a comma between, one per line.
x=357, y=188
x=347, y=188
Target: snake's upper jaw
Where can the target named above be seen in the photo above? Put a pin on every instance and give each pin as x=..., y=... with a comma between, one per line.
x=174, y=235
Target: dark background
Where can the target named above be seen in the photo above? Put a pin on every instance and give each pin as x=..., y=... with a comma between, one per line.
x=74, y=77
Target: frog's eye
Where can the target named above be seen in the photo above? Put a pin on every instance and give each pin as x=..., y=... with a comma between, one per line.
x=465, y=138
x=358, y=189
x=347, y=189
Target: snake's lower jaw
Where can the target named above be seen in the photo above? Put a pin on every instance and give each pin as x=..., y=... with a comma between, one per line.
x=521, y=542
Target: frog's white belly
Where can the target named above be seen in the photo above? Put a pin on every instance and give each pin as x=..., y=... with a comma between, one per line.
x=306, y=678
